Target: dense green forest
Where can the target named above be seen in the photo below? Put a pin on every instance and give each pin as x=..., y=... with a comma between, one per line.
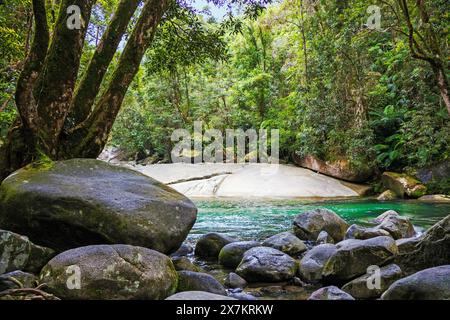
x=335, y=87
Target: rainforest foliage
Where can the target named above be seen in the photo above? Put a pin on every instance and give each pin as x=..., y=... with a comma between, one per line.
x=316, y=70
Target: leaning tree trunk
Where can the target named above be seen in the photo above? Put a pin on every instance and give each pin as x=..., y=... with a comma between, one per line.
x=57, y=115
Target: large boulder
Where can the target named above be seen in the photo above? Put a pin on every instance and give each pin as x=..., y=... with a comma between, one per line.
x=340, y=169
x=330, y=293
x=209, y=245
x=286, y=242
x=197, y=281
x=403, y=185
x=428, y=284
x=19, y=253
x=432, y=249
x=265, y=264
x=362, y=233
x=198, y=295
x=309, y=224
x=231, y=255
x=84, y=202
x=366, y=286
x=397, y=226
x=312, y=263
x=110, y=272
x=353, y=257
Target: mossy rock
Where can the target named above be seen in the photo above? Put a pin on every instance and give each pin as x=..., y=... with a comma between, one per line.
x=403, y=185
x=68, y=204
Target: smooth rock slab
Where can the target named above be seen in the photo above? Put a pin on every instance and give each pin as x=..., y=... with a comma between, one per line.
x=365, y=287
x=330, y=293
x=198, y=295
x=264, y=264
x=353, y=257
x=309, y=224
x=85, y=202
x=286, y=242
x=110, y=272
x=428, y=284
x=197, y=281
x=19, y=253
x=231, y=255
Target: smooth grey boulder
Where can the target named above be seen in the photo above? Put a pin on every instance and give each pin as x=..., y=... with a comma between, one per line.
x=428, y=284
x=368, y=287
x=330, y=293
x=198, y=281
x=234, y=280
x=397, y=226
x=311, y=265
x=362, y=233
x=17, y=279
x=110, y=272
x=198, y=295
x=309, y=224
x=86, y=202
x=324, y=238
x=353, y=257
x=210, y=244
x=286, y=242
x=406, y=245
x=19, y=253
x=184, y=264
x=265, y=264
x=231, y=254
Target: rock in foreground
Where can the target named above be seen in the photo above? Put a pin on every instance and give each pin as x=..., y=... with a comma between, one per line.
x=110, y=272
x=86, y=202
x=198, y=281
x=428, y=284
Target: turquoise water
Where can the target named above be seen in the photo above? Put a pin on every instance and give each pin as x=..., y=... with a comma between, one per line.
x=257, y=220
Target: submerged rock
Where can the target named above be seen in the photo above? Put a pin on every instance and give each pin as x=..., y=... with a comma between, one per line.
x=198, y=295
x=365, y=287
x=231, y=255
x=403, y=185
x=353, y=257
x=362, y=233
x=197, y=281
x=85, y=201
x=312, y=263
x=286, y=242
x=209, y=245
x=234, y=280
x=309, y=224
x=110, y=272
x=428, y=284
x=19, y=253
x=330, y=293
x=265, y=264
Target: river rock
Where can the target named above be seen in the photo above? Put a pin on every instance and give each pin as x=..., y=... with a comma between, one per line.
x=358, y=232
x=197, y=281
x=432, y=250
x=198, y=295
x=439, y=198
x=330, y=293
x=353, y=257
x=406, y=245
x=428, y=284
x=311, y=265
x=17, y=279
x=243, y=296
x=234, y=280
x=184, y=264
x=19, y=253
x=324, y=238
x=403, y=185
x=359, y=287
x=85, y=201
x=110, y=272
x=184, y=250
x=286, y=242
x=309, y=224
x=265, y=264
x=396, y=225
x=209, y=245
x=231, y=255
x=387, y=195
